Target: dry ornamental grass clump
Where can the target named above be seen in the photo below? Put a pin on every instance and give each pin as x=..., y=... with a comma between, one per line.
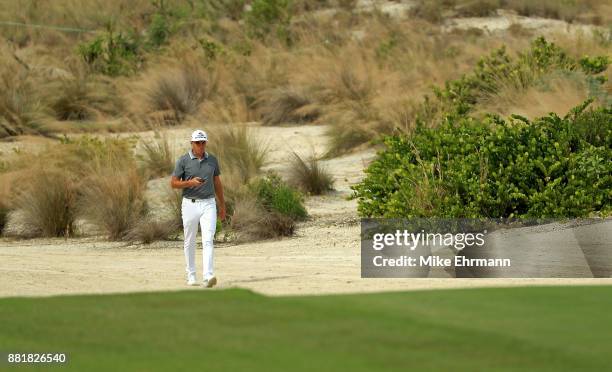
x=310, y=175
x=114, y=200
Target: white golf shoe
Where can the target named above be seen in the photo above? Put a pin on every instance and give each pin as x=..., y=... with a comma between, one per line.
x=191, y=280
x=210, y=282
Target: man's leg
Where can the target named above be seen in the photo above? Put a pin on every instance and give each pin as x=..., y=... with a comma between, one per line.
x=191, y=216
x=208, y=222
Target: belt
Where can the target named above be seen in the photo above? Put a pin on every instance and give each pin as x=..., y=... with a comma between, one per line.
x=195, y=200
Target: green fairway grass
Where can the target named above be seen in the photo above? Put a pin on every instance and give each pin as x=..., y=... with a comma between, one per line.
x=506, y=329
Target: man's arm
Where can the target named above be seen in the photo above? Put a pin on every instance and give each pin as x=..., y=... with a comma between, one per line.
x=176, y=183
x=220, y=198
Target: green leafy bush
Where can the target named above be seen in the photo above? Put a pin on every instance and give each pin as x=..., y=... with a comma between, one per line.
x=159, y=30
x=551, y=167
x=275, y=195
x=111, y=53
x=266, y=16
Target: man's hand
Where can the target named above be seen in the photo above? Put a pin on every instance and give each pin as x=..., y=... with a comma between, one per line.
x=222, y=213
x=195, y=182
x=176, y=183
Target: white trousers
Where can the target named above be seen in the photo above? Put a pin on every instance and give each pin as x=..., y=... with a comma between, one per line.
x=203, y=212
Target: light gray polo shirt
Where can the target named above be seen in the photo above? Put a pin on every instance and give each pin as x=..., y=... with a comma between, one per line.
x=189, y=166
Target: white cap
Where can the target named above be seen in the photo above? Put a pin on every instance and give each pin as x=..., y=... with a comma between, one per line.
x=199, y=135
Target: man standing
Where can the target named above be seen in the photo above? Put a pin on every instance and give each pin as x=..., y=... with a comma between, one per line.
x=197, y=173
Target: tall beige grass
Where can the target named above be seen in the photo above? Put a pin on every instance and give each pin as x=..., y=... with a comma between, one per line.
x=179, y=92
x=114, y=200
x=22, y=111
x=48, y=199
x=556, y=93
x=310, y=175
x=239, y=151
x=157, y=155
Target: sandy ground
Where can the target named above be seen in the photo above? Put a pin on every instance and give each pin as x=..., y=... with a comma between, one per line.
x=323, y=258
x=539, y=26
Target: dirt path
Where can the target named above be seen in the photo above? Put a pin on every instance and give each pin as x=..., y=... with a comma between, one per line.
x=322, y=258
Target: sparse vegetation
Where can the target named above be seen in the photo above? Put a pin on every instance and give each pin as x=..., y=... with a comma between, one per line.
x=111, y=53
x=114, y=200
x=241, y=153
x=276, y=196
x=287, y=106
x=268, y=208
x=21, y=110
x=310, y=175
x=157, y=156
x=148, y=230
x=180, y=92
x=48, y=199
x=570, y=11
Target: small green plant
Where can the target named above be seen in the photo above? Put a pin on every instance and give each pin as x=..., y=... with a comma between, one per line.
x=266, y=16
x=112, y=53
x=212, y=50
x=594, y=65
x=159, y=30
x=276, y=196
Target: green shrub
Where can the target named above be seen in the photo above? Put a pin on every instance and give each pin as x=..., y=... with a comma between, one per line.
x=276, y=196
x=112, y=53
x=159, y=30
x=266, y=16
x=594, y=65
x=551, y=167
